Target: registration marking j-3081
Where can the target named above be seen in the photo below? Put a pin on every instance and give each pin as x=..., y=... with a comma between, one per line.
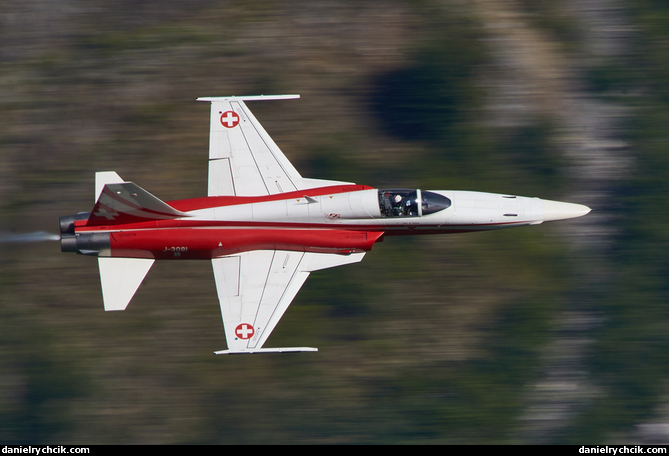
x=176, y=250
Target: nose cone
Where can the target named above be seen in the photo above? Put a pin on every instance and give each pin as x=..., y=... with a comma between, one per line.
x=557, y=210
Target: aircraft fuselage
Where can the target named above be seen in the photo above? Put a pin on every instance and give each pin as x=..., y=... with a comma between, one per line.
x=337, y=219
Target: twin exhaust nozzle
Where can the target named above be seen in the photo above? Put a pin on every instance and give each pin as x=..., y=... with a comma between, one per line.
x=84, y=244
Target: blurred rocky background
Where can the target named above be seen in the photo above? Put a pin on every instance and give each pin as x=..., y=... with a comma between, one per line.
x=549, y=334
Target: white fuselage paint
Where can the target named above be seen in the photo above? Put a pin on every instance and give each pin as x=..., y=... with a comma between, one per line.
x=468, y=210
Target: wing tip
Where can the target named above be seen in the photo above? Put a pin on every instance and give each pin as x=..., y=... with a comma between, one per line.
x=250, y=97
x=254, y=351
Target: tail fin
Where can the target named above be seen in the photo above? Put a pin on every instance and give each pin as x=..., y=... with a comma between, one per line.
x=124, y=202
x=120, y=278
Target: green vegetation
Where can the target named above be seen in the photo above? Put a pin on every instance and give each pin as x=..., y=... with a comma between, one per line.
x=433, y=340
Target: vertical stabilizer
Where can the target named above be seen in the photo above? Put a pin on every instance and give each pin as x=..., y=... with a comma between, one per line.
x=121, y=277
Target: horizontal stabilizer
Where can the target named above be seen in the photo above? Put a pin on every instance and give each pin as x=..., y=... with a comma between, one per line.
x=103, y=178
x=120, y=278
x=266, y=350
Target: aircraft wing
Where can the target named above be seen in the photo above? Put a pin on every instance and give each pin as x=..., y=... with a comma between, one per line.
x=255, y=289
x=243, y=158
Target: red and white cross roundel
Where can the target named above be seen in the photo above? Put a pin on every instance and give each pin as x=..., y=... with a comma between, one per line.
x=229, y=119
x=244, y=331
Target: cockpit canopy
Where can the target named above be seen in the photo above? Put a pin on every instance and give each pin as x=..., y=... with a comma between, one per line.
x=404, y=203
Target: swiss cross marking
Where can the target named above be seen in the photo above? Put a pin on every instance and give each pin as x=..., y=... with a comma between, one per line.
x=244, y=331
x=102, y=212
x=229, y=119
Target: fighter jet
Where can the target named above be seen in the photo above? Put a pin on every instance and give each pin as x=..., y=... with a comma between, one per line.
x=265, y=228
